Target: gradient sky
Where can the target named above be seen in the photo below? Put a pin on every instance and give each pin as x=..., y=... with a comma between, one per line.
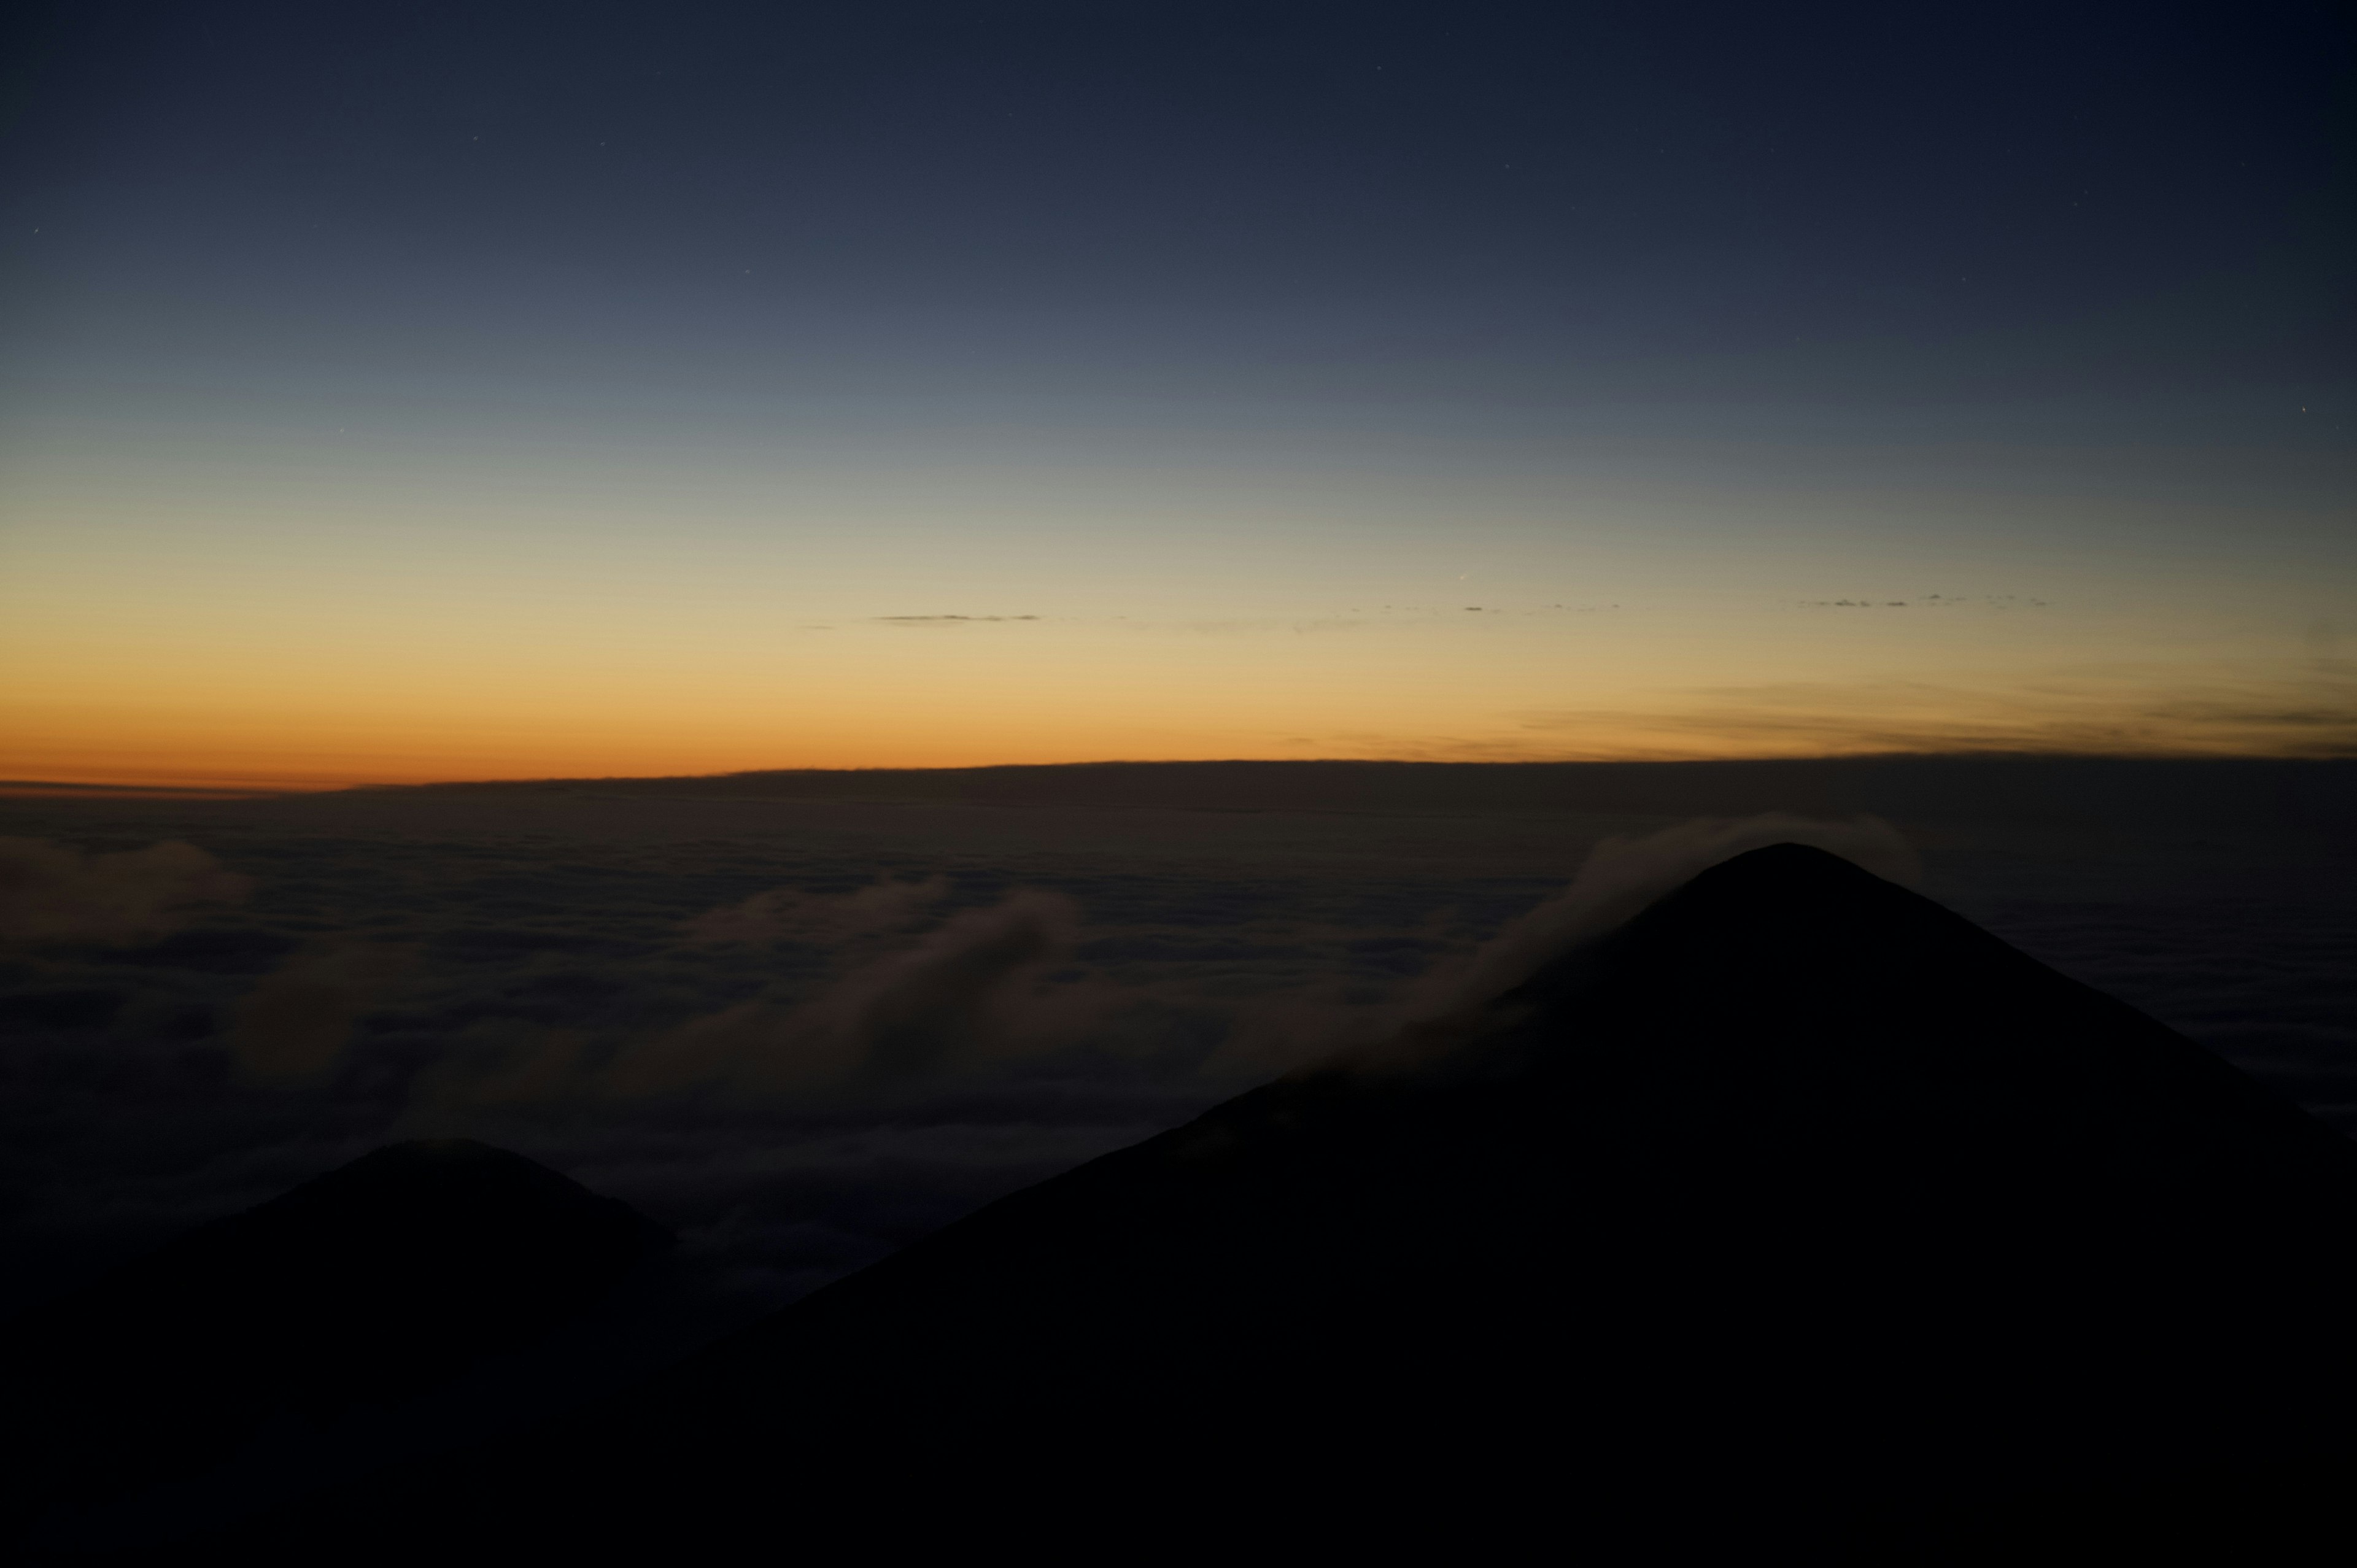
x=504, y=390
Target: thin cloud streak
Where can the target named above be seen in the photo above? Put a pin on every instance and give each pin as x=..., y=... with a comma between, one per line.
x=2311, y=716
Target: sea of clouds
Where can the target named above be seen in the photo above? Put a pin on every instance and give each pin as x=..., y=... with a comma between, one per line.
x=803, y=1033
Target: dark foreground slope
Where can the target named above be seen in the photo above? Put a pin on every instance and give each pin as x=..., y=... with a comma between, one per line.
x=1795, y=1211
x=369, y=1282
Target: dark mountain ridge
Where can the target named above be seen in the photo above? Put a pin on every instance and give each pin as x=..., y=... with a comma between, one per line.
x=1796, y=1215
x=2310, y=791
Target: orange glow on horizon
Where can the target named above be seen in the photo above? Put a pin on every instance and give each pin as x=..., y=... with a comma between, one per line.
x=259, y=758
x=109, y=677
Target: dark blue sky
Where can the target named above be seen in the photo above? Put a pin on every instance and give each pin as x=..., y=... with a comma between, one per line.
x=1991, y=201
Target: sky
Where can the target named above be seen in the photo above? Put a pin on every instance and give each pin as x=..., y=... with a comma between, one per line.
x=513, y=390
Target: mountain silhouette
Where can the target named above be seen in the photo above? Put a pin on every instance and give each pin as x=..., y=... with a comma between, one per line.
x=369, y=1282
x=1797, y=1213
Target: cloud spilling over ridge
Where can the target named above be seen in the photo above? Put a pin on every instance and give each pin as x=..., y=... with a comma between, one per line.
x=1622, y=875
x=55, y=892
x=967, y=992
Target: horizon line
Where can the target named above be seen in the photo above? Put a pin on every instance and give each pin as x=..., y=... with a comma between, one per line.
x=72, y=788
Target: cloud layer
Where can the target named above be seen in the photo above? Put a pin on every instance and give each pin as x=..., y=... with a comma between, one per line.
x=803, y=1032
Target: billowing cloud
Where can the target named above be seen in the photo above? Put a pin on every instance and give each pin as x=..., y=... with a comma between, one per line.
x=966, y=991
x=55, y=892
x=295, y=1025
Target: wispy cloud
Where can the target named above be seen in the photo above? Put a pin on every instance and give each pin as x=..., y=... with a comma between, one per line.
x=1929, y=601
x=1384, y=617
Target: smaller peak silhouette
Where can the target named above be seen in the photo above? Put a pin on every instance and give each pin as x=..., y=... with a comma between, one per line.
x=369, y=1282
